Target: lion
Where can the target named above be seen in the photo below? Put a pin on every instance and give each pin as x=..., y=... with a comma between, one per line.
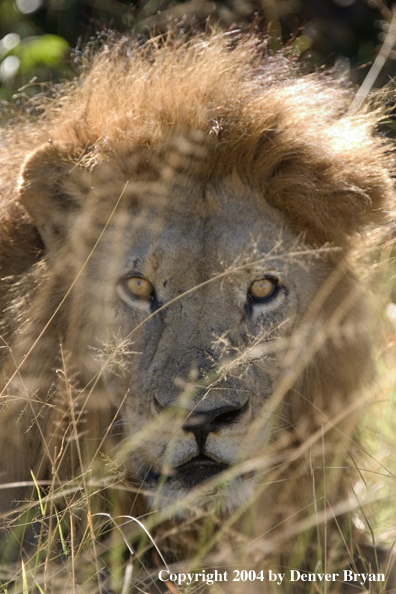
x=183, y=324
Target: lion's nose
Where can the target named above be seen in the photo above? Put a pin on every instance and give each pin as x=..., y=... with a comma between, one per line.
x=202, y=423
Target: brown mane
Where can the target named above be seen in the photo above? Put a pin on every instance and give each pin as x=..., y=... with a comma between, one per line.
x=216, y=107
x=263, y=120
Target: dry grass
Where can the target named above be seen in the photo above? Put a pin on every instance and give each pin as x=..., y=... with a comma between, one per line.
x=69, y=545
x=315, y=489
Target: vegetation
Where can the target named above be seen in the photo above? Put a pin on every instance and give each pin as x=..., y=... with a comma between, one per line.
x=67, y=542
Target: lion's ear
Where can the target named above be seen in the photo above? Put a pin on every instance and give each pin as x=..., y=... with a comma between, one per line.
x=47, y=178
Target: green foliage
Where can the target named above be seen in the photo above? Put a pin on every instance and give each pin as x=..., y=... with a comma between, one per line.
x=46, y=49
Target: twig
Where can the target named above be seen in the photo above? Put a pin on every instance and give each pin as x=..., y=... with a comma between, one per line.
x=377, y=66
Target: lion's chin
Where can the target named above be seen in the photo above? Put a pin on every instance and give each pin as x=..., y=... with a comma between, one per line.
x=194, y=485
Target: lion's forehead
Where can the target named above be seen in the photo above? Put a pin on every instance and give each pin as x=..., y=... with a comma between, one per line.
x=196, y=236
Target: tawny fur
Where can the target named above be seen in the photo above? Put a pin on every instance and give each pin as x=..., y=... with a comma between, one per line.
x=218, y=121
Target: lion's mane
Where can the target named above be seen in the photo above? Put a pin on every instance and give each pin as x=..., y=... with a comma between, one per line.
x=211, y=108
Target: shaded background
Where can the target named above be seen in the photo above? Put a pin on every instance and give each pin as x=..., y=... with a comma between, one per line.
x=36, y=36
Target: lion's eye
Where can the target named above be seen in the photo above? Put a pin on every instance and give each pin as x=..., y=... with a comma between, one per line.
x=139, y=287
x=263, y=289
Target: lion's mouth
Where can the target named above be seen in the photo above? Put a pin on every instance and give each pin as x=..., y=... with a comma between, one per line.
x=196, y=471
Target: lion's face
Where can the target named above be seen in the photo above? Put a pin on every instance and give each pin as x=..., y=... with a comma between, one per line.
x=184, y=312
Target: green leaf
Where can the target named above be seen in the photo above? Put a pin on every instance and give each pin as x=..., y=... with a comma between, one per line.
x=46, y=49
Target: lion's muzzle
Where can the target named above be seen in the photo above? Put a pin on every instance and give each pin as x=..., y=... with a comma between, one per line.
x=202, y=423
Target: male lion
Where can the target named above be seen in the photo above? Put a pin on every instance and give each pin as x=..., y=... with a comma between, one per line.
x=183, y=330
